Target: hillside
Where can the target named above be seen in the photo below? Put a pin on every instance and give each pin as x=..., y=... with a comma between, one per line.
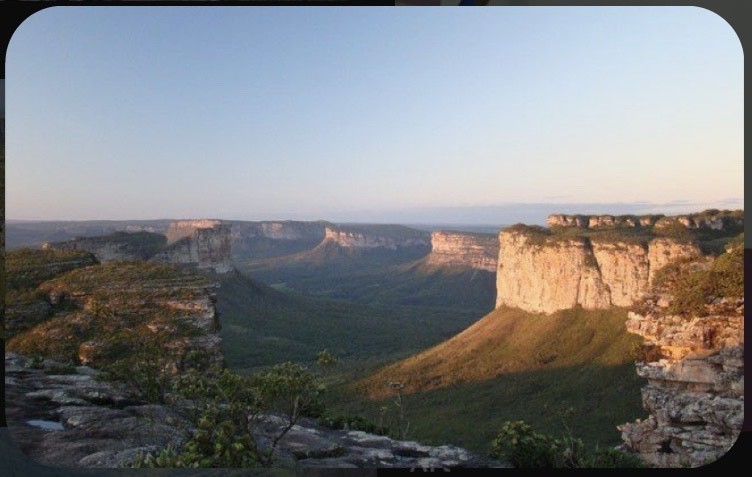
x=572, y=368
x=262, y=326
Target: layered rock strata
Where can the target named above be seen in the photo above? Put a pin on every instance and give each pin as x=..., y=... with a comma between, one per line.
x=205, y=243
x=718, y=220
x=480, y=251
x=695, y=390
x=376, y=238
x=538, y=273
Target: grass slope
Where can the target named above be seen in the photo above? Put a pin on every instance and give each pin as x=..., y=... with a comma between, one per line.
x=262, y=326
x=573, y=368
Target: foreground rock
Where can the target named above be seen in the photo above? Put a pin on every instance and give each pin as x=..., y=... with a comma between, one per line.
x=313, y=446
x=76, y=420
x=695, y=391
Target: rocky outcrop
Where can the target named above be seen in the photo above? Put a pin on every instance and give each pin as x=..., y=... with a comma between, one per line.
x=695, y=390
x=205, y=243
x=310, y=445
x=717, y=220
x=77, y=420
x=103, y=311
x=480, y=251
x=116, y=246
x=542, y=273
x=387, y=237
x=66, y=417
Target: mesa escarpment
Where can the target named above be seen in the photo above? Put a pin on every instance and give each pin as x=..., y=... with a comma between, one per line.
x=390, y=237
x=712, y=219
x=693, y=326
x=115, y=246
x=600, y=261
x=205, y=243
x=474, y=250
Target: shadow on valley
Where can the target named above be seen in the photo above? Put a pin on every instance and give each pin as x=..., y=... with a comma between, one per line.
x=586, y=401
x=262, y=326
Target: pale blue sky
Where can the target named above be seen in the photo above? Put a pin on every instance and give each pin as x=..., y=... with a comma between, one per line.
x=366, y=113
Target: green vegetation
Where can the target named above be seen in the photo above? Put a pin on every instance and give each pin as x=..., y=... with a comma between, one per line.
x=694, y=286
x=261, y=327
x=367, y=279
x=27, y=268
x=523, y=447
x=226, y=407
x=511, y=365
x=711, y=241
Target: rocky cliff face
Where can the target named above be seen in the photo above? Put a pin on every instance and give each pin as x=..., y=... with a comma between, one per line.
x=206, y=243
x=281, y=230
x=480, y=251
x=390, y=238
x=695, y=391
x=116, y=246
x=718, y=220
x=545, y=274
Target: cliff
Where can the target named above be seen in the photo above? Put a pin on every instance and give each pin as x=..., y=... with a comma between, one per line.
x=480, y=251
x=107, y=314
x=718, y=220
x=389, y=237
x=257, y=240
x=694, y=363
x=540, y=272
x=205, y=243
x=115, y=246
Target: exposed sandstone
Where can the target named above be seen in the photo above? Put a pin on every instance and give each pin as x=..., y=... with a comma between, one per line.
x=375, y=237
x=540, y=273
x=695, y=390
x=479, y=251
x=205, y=243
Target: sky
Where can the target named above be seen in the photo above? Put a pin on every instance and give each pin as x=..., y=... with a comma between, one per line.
x=371, y=114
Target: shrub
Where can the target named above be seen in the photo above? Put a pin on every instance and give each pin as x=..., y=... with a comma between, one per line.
x=523, y=447
x=212, y=445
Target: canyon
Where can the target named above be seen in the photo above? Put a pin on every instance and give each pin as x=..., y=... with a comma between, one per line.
x=479, y=251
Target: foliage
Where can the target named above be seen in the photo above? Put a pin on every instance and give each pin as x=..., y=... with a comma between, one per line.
x=214, y=444
x=693, y=286
x=352, y=422
x=289, y=388
x=325, y=359
x=525, y=448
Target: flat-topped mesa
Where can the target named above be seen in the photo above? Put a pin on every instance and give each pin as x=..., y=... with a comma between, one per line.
x=115, y=246
x=280, y=230
x=711, y=219
x=185, y=228
x=601, y=221
x=475, y=250
x=205, y=243
x=389, y=237
x=721, y=220
x=539, y=271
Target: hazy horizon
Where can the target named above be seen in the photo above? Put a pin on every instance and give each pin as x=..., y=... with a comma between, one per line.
x=380, y=115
